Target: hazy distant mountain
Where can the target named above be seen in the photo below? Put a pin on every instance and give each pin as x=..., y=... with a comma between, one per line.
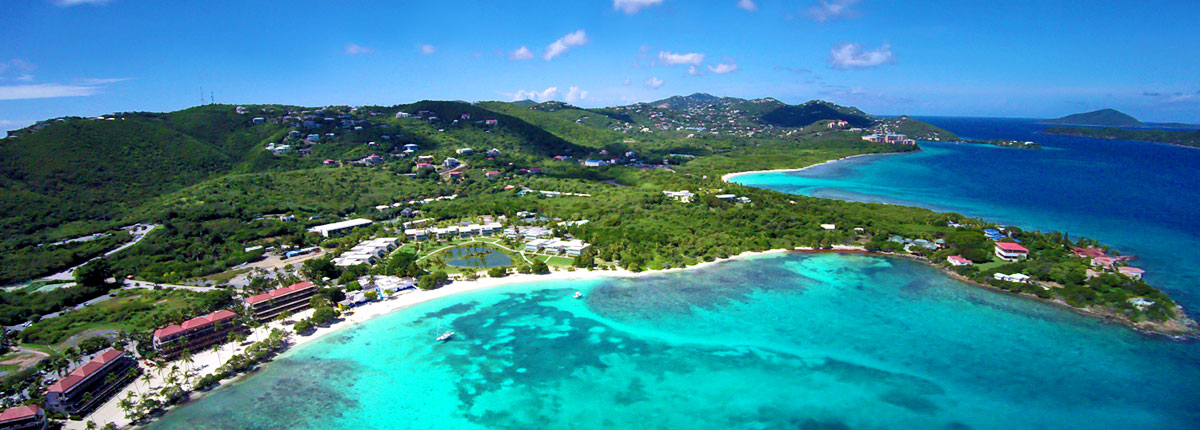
x=1102, y=117
x=526, y=102
x=696, y=100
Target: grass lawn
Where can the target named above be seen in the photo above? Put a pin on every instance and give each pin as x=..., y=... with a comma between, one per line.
x=132, y=310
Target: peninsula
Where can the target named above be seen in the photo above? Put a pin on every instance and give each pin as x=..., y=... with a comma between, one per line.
x=1190, y=138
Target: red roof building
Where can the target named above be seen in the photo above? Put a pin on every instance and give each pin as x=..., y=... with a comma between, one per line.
x=69, y=394
x=267, y=306
x=1131, y=272
x=1009, y=251
x=28, y=417
x=1088, y=252
x=196, y=333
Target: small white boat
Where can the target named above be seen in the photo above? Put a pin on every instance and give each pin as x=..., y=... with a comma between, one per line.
x=445, y=336
x=578, y=295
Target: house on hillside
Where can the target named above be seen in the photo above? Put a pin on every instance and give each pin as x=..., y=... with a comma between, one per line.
x=958, y=260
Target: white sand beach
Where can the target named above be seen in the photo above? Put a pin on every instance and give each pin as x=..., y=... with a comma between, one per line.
x=726, y=177
x=206, y=362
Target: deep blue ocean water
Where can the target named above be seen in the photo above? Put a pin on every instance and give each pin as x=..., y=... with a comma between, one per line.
x=813, y=341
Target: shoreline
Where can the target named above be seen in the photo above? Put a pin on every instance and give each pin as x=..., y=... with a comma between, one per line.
x=1182, y=327
x=207, y=361
x=726, y=177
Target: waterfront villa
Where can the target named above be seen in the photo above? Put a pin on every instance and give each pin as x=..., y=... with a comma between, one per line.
x=1016, y=277
x=1141, y=302
x=1009, y=251
x=292, y=298
x=1131, y=272
x=28, y=417
x=958, y=260
x=1103, y=261
x=90, y=384
x=195, y=334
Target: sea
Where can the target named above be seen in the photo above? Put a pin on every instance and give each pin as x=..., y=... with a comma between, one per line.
x=790, y=340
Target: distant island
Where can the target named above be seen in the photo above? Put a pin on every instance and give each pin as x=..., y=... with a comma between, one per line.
x=1099, y=118
x=1189, y=138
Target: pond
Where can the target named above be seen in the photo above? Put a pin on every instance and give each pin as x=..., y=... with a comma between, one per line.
x=476, y=256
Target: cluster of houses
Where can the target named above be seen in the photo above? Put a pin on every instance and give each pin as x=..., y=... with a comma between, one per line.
x=1102, y=261
x=368, y=252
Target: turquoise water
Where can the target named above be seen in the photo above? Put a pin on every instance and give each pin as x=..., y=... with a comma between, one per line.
x=1141, y=198
x=820, y=341
x=781, y=341
x=477, y=256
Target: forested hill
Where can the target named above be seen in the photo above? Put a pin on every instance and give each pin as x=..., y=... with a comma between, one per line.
x=69, y=177
x=90, y=169
x=1100, y=118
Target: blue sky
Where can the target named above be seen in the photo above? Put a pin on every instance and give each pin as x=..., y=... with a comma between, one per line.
x=970, y=58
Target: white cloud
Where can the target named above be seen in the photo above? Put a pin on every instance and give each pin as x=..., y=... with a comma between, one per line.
x=630, y=7
x=574, y=95
x=539, y=96
x=560, y=46
x=671, y=59
x=521, y=53
x=694, y=71
x=748, y=5
x=428, y=49
x=45, y=91
x=102, y=81
x=21, y=67
x=69, y=3
x=852, y=56
x=828, y=10
x=722, y=69
x=354, y=49
x=654, y=82
x=628, y=81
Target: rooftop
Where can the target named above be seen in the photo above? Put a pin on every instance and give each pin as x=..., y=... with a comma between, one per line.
x=1009, y=246
x=19, y=413
x=279, y=292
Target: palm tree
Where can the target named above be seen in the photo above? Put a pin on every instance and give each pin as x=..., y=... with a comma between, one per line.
x=217, y=350
x=127, y=406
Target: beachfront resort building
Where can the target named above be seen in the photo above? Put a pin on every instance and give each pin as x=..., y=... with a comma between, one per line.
x=292, y=298
x=1009, y=251
x=570, y=248
x=89, y=385
x=451, y=232
x=28, y=417
x=337, y=228
x=369, y=252
x=894, y=138
x=195, y=334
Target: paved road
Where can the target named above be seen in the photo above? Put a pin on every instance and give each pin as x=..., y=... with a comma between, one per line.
x=139, y=232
